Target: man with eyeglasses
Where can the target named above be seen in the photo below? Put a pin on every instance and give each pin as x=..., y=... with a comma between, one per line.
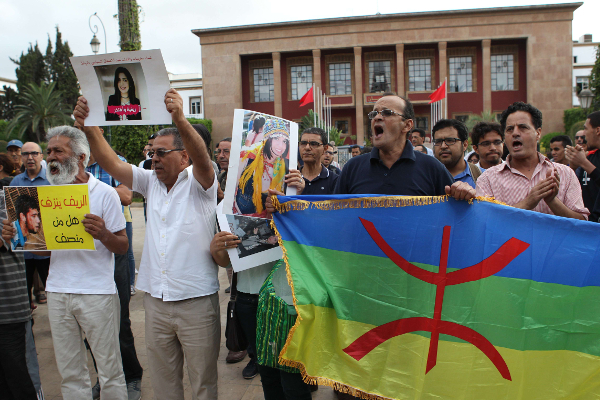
x=328, y=159
x=528, y=179
x=34, y=175
x=587, y=167
x=488, y=142
x=581, y=140
x=177, y=271
x=449, y=146
x=317, y=178
x=393, y=167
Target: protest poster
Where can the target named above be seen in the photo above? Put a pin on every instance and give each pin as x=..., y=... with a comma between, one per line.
x=48, y=217
x=262, y=146
x=126, y=88
x=259, y=242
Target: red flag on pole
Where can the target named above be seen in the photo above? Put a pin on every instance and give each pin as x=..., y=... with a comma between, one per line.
x=307, y=98
x=439, y=94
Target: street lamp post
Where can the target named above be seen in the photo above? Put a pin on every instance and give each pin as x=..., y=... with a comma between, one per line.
x=585, y=98
x=95, y=43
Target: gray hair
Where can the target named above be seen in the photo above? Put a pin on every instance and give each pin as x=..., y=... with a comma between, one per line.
x=177, y=141
x=79, y=144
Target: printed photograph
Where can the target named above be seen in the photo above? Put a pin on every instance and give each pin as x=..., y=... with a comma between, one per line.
x=255, y=233
x=23, y=209
x=124, y=91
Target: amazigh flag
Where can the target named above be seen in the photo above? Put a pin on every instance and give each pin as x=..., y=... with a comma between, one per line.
x=433, y=298
x=439, y=94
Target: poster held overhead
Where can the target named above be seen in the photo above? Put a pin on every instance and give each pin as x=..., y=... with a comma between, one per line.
x=125, y=88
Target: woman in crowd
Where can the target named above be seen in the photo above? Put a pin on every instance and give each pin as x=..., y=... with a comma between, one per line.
x=124, y=96
x=262, y=168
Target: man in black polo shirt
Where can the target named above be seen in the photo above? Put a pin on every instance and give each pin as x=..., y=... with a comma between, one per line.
x=393, y=167
x=317, y=178
x=587, y=168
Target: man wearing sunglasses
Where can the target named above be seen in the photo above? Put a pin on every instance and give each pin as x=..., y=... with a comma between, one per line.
x=393, y=167
x=328, y=159
x=176, y=271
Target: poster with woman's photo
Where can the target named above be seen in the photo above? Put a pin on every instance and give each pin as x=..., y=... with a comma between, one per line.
x=258, y=241
x=125, y=88
x=263, y=150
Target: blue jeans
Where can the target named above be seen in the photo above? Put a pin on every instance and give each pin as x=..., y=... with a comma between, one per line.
x=129, y=231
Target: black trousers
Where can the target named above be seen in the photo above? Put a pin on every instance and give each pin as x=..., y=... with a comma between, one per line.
x=246, y=306
x=15, y=382
x=41, y=266
x=131, y=365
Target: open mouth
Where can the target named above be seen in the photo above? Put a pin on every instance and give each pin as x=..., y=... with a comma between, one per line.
x=517, y=145
x=377, y=131
x=53, y=168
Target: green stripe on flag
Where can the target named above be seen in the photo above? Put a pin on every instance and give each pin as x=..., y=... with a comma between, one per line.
x=512, y=313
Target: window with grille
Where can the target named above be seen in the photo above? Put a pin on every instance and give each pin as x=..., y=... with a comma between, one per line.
x=503, y=75
x=340, y=79
x=380, y=76
x=461, y=74
x=419, y=74
x=582, y=82
x=264, y=87
x=301, y=79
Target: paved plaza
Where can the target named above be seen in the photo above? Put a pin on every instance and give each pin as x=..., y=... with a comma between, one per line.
x=231, y=384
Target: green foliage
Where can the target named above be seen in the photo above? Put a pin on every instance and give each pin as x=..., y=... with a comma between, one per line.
x=595, y=82
x=42, y=109
x=308, y=121
x=8, y=103
x=129, y=26
x=59, y=70
x=5, y=135
x=130, y=140
x=206, y=122
x=335, y=136
x=31, y=68
x=572, y=116
x=545, y=141
x=485, y=116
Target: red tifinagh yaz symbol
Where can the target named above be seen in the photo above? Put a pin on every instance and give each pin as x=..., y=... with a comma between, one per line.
x=491, y=265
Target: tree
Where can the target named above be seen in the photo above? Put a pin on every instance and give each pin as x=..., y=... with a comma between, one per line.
x=595, y=82
x=31, y=68
x=8, y=103
x=59, y=70
x=41, y=110
x=131, y=139
x=129, y=25
x=485, y=116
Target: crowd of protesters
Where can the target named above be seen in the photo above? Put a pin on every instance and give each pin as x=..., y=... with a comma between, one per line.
x=178, y=272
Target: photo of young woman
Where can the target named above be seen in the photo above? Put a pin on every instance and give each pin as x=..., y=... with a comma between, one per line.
x=123, y=104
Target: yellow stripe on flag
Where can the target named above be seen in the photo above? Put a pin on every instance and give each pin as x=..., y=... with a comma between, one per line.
x=461, y=372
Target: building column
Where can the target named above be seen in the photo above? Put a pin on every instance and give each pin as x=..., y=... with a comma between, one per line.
x=401, y=90
x=277, y=84
x=317, y=69
x=487, y=75
x=358, y=90
x=443, y=61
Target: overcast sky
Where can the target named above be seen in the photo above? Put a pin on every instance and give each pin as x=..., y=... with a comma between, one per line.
x=167, y=25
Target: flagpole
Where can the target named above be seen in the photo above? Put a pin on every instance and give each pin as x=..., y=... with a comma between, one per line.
x=446, y=97
x=314, y=115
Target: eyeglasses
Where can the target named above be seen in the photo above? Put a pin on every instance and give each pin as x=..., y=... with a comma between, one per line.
x=330, y=153
x=384, y=113
x=311, y=143
x=579, y=137
x=449, y=141
x=161, y=153
x=488, y=143
x=30, y=153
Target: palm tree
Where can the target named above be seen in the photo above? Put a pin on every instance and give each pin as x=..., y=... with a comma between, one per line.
x=41, y=110
x=486, y=116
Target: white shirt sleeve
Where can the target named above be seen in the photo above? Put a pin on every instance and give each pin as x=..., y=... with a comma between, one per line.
x=141, y=180
x=113, y=217
x=210, y=193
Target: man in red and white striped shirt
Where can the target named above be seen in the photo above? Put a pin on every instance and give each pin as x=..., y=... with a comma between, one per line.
x=528, y=179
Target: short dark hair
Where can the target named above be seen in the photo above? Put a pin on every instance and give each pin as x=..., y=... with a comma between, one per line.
x=177, y=141
x=409, y=110
x=354, y=146
x=153, y=136
x=483, y=128
x=536, y=115
x=258, y=123
x=24, y=203
x=7, y=163
x=566, y=141
x=316, y=131
x=366, y=150
x=463, y=134
x=227, y=139
x=420, y=131
x=594, y=119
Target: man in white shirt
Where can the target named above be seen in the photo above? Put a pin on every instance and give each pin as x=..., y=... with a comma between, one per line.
x=82, y=296
x=177, y=270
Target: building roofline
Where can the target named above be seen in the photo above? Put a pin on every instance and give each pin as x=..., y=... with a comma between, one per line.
x=379, y=17
x=8, y=80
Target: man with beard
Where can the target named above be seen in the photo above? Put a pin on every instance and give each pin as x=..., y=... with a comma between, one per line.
x=527, y=179
x=28, y=222
x=488, y=143
x=449, y=146
x=177, y=271
x=587, y=170
x=81, y=291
